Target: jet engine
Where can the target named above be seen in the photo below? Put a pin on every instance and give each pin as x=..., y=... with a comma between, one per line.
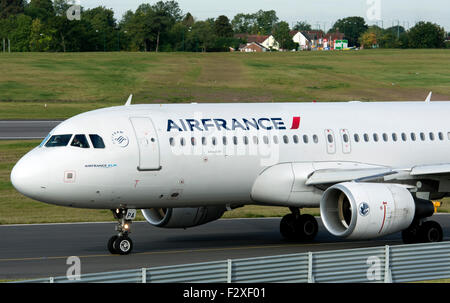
x=182, y=217
x=368, y=210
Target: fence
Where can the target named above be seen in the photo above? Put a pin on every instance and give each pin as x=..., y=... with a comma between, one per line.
x=400, y=263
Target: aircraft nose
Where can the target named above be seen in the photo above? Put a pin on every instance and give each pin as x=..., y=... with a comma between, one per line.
x=30, y=176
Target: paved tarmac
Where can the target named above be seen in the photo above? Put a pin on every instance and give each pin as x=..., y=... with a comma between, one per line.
x=24, y=130
x=37, y=251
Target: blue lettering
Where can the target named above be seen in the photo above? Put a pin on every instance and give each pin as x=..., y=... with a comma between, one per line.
x=262, y=125
x=193, y=124
x=206, y=125
x=278, y=123
x=253, y=124
x=235, y=123
x=171, y=125
x=221, y=123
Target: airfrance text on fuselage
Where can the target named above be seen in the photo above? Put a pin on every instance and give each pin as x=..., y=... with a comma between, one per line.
x=233, y=124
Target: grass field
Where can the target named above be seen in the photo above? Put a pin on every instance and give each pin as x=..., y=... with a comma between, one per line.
x=71, y=83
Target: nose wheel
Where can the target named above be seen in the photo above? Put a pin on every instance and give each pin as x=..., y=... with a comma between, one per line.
x=122, y=244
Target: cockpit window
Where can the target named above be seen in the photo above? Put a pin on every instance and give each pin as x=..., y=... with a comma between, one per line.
x=80, y=141
x=97, y=141
x=58, y=140
x=43, y=141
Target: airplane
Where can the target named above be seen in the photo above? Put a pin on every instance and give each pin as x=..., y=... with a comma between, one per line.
x=373, y=168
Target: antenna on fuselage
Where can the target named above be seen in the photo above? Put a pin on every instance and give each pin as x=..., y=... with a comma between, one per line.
x=129, y=100
x=428, y=99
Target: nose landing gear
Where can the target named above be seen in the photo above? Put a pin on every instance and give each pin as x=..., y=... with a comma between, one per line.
x=121, y=243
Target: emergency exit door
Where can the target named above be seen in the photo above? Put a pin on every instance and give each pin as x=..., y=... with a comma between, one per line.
x=147, y=141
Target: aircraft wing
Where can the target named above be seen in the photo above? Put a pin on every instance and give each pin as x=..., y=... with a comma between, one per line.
x=333, y=176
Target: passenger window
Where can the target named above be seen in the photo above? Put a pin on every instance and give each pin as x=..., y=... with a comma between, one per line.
x=394, y=137
x=441, y=136
x=203, y=140
x=97, y=141
x=356, y=137
x=275, y=139
x=255, y=140
x=235, y=140
x=213, y=141
x=345, y=137
x=171, y=141
x=245, y=140
x=315, y=139
x=182, y=142
x=266, y=140
x=422, y=136
x=366, y=137
x=375, y=137
x=58, y=140
x=385, y=137
x=305, y=139
x=224, y=140
x=413, y=136
x=285, y=139
x=330, y=138
x=80, y=141
x=403, y=136
x=193, y=141
x=295, y=139
x=431, y=136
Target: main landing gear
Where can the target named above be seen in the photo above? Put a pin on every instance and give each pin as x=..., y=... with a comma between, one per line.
x=422, y=232
x=121, y=243
x=297, y=227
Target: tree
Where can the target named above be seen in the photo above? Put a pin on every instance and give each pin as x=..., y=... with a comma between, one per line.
x=222, y=27
x=368, y=40
x=188, y=20
x=426, y=35
x=40, y=38
x=281, y=34
x=243, y=23
x=352, y=27
x=103, y=26
x=201, y=36
x=41, y=9
x=266, y=20
x=166, y=14
x=302, y=26
x=11, y=7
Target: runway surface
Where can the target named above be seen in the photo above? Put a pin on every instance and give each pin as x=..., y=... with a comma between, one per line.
x=24, y=130
x=37, y=251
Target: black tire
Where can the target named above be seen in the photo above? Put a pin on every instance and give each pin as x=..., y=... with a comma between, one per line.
x=410, y=235
x=111, y=247
x=430, y=231
x=307, y=227
x=123, y=245
x=288, y=228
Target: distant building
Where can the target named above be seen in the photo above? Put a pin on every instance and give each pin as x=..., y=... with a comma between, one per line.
x=302, y=38
x=268, y=41
x=253, y=47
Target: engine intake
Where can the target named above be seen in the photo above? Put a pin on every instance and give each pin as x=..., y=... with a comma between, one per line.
x=182, y=217
x=367, y=210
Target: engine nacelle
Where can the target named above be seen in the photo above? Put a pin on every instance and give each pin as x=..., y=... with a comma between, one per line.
x=366, y=210
x=182, y=217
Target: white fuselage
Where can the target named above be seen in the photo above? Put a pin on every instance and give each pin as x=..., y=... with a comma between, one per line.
x=149, y=159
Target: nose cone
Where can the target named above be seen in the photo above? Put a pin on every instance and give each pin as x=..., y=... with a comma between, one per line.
x=30, y=176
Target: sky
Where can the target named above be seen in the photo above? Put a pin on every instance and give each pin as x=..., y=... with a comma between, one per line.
x=318, y=13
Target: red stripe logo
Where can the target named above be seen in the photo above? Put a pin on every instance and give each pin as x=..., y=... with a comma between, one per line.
x=295, y=123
